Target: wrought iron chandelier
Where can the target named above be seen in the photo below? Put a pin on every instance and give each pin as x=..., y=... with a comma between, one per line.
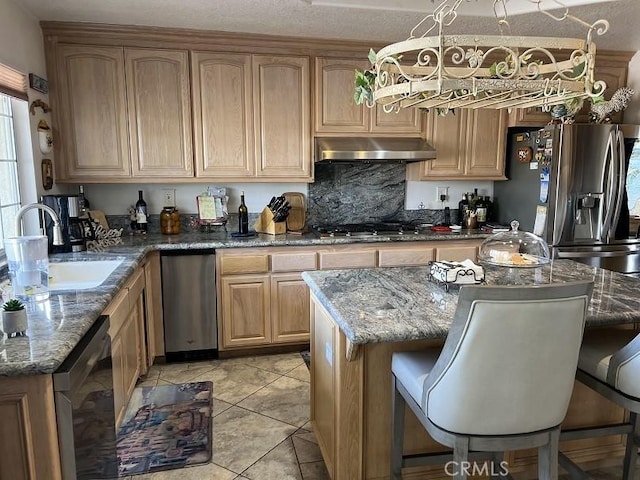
x=480, y=71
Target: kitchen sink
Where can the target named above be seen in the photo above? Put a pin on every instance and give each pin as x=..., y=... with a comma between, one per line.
x=80, y=275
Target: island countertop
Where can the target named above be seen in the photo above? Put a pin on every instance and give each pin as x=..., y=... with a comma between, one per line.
x=402, y=303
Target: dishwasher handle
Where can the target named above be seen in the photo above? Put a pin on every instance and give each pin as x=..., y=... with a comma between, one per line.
x=80, y=362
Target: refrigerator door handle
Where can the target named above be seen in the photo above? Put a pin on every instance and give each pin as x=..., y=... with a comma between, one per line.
x=609, y=190
x=620, y=176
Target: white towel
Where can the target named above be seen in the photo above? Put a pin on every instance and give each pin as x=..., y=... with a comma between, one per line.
x=457, y=272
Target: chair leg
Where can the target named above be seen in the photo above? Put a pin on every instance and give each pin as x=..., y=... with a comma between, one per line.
x=461, y=458
x=548, y=457
x=631, y=452
x=397, y=430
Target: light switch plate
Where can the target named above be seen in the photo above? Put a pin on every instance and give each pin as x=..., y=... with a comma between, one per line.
x=168, y=197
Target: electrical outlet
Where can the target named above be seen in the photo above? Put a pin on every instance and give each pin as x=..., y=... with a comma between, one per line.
x=440, y=191
x=168, y=197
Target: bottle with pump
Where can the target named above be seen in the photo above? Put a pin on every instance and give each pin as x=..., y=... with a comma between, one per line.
x=141, y=214
x=243, y=217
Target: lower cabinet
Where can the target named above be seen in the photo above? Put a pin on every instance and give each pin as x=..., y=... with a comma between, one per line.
x=264, y=300
x=128, y=352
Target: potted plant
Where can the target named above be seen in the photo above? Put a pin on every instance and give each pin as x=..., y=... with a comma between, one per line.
x=14, y=318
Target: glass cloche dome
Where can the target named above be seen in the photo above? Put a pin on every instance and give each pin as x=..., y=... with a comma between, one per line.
x=514, y=249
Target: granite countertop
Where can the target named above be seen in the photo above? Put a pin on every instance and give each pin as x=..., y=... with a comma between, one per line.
x=398, y=304
x=57, y=324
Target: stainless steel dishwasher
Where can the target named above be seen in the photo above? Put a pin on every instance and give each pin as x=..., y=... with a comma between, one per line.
x=189, y=304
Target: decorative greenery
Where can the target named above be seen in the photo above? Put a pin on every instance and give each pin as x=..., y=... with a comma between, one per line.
x=13, y=305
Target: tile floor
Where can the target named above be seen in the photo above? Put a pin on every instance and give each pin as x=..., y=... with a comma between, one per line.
x=260, y=419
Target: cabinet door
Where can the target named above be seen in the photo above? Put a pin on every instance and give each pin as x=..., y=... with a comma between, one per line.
x=457, y=253
x=281, y=93
x=92, y=112
x=447, y=134
x=289, y=308
x=129, y=335
x=119, y=394
x=159, y=106
x=335, y=109
x=245, y=311
x=223, y=118
x=485, y=151
x=406, y=121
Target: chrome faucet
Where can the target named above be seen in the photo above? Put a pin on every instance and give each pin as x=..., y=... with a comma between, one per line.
x=57, y=231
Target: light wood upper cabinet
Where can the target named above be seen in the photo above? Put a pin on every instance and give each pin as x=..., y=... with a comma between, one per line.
x=223, y=118
x=159, y=108
x=92, y=112
x=337, y=113
x=469, y=144
x=281, y=93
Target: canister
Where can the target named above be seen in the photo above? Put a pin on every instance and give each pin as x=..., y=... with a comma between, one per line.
x=170, y=221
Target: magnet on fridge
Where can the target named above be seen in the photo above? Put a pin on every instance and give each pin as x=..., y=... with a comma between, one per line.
x=549, y=143
x=525, y=154
x=533, y=165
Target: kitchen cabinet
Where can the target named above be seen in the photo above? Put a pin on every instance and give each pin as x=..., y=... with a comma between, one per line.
x=337, y=113
x=289, y=308
x=252, y=116
x=126, y=329
x=153, y=307
x=123, y=113
x=28, y=433
x=470, y=144
x=91, y=113
x=245, y=311
x=159, y=110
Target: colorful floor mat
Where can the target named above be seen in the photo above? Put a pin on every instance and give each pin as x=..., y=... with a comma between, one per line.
x=165, y=427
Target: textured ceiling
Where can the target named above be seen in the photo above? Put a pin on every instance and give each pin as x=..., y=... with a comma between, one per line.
x=303, y=19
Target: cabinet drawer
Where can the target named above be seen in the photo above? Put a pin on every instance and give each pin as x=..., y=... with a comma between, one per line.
x=404, y=257
x=230, y=264
x=117, y=311
x=336, y=260
x=293, y=262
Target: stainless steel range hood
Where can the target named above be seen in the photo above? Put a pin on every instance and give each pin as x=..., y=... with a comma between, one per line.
x=365, y=149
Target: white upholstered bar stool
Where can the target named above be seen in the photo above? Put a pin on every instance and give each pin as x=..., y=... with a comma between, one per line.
x=609, y=363
x=502, y=381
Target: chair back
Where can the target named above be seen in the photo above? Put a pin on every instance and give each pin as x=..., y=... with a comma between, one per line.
x=509, y=362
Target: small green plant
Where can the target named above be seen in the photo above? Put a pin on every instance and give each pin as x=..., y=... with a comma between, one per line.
x=13, y=305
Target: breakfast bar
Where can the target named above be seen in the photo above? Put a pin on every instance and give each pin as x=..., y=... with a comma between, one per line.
x=360, y=317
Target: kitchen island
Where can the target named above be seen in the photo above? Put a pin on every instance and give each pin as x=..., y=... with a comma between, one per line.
x=360, y=317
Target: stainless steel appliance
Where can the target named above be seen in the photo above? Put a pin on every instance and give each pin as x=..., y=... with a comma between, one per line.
x=371, y=149
x=569, y=184
x=384, y=229
x=189, y=304
x=85, y=412
x=73, y=227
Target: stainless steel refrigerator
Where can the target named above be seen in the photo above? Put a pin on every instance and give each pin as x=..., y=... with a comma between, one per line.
x=570, y=185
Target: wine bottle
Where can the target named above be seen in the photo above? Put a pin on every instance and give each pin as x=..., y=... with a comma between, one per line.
x=141, y=214
x=243, y=216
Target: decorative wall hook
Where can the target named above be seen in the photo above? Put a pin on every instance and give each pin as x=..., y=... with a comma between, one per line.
x=39, y=103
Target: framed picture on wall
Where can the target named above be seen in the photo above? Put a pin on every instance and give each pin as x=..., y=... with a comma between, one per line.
x=38, y=83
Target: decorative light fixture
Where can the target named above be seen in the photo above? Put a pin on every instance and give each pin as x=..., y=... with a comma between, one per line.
x=480, y=71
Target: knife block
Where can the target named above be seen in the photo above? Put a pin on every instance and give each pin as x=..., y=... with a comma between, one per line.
x=265, y=224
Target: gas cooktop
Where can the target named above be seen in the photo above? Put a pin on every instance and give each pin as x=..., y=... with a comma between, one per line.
x=369, y=229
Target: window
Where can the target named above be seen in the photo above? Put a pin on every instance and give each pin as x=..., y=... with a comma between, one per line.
x=10, y=191
x=633, y=181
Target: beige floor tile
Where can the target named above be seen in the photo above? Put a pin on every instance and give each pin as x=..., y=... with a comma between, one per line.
x=306, y=450
x=209, y=471
x=301, y=373
x=314, y=471
x=308, y=436
x=307, y=426
x=286, y=399
x=241, y=437
x=183, y=372
x=232, y=383
x=219, y=406
x=281, y=363
x=279, y=464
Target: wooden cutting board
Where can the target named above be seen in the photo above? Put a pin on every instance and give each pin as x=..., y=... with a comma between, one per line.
x=297, y=214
